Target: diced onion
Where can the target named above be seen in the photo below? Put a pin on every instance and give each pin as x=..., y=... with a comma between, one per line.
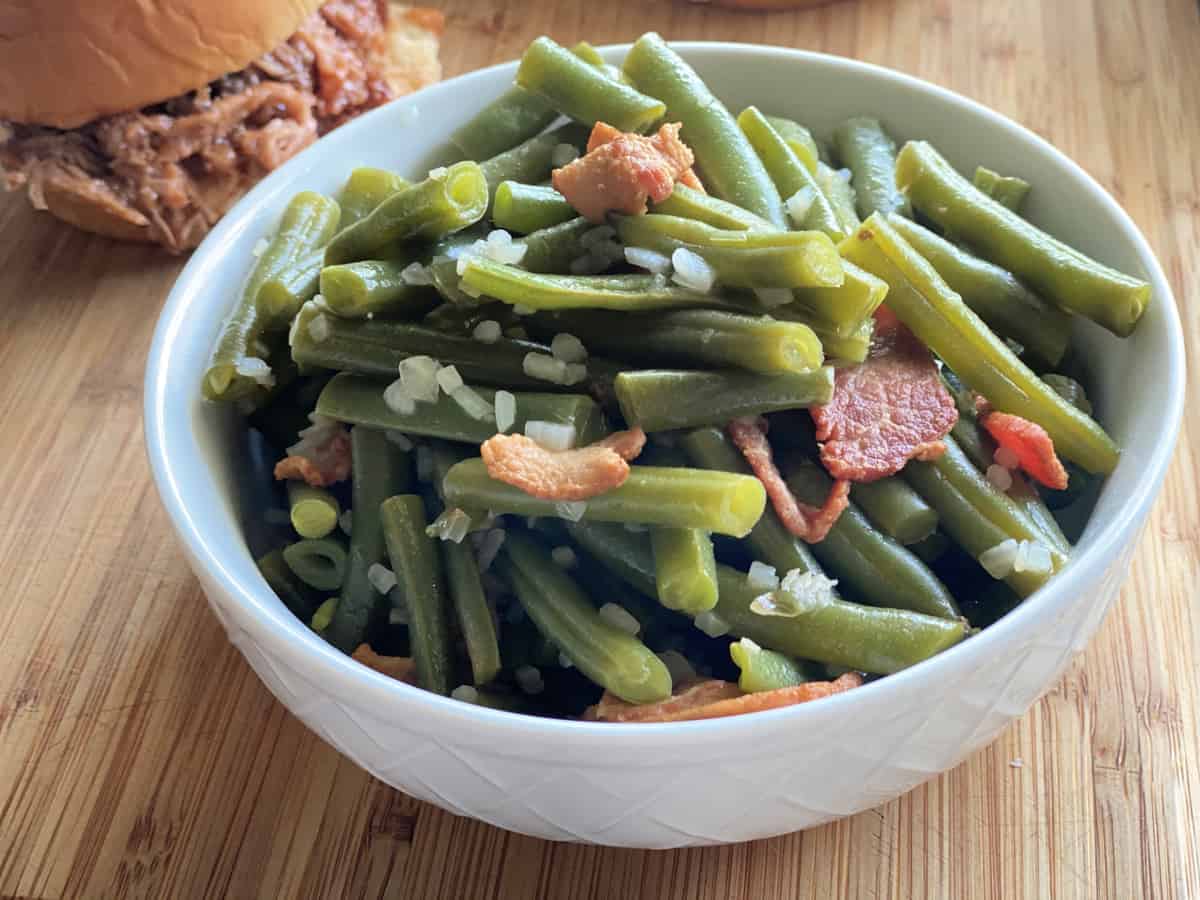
x=619, y=617
x=506, y=410
x=691, y=271
x=564, y=557
x=257, y=370
x=398, y=400
x=523, y=309
x=763, y=576
x=571, y=510
x=465, y=693
x=563, y=155
x=487, y=331
x=472, y=403
x=544, y=367
x=568, y=348
x=448, y=379
x=551, y=435
x=419, y=376
x=999, y=560
x=439, y=172
x=574, y=373
x=1005, y=456
x=381, y=577
x=1000, y=477
x=416, y=275
x=452, y=525
x=650, y=260
x=799, y=204
x=712, y=624
x=773, y=297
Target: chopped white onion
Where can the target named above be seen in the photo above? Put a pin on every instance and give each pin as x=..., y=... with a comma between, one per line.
x=799, y=204
x=999, y=560
x=574, y=373
x=260, y=247
x=773, y=297
x=439, y=172
x=506, y=410
x=691, y=271
x=845, y=174
x=712, y=624
x=563, y=155
x=523, y=309
x=419, y=376
x=318, y=327
x=448, y=379
x=472, y=403
x=1037, y=558
x=1006, y=457
x=465, y=693
x=650, y=260
x=571, y=510
x=619, y=617
x=452, y=525
x=544, y=367
x=1000, y=477
x=398, y=400
x=551, y=435
x=501, y=248
x=487, y=331
x=381, y=577
x=568, y=348
x=416, y=274
x=564, y=557
x=255, y=369
x=808, y=590
x=763, y=576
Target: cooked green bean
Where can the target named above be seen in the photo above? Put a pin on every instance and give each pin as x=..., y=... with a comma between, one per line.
x=728, y=164
x=582, y=91
x=471, y=607
x=852, y=348
x=789, y=174
x=870, y=154
x=627, y=293
x=282, y=295
x=866, y=638
x=931, y=549
x=380, y=470
x=685, y=569
x=611, y=658
x=552, y=250
x=692, y=337
x=689, y=203
x=238, y=363
x=624, y=552
x=364, y=190
x=1059, y=273
x=530, y=162
x=358, y=399
x=373, y=286
x=680, y=498
x=314, y=511
x=281, y=420
x=843, y=309
x=297, y=596
x=522, y=208
x=449, y=200
x=940, y=319
x=1007, y=190
x=515, y=116
x=799, y=139
x=895, y=509
x=323, y=616
x=868, y=564
x=741, y=258
x=664, y=399
x=842, y=197
x=1070, y=390
x=976, y=515
x=419, y=591
x=764, y=670
x=1007, y=306
x=319, y=563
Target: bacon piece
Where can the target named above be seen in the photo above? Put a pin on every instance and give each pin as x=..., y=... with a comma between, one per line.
x=1032, y=445
x=809, y=523
x=889, y=409
x=620, y=171
x=321, y=458
x=716, y=699
x=402, y=668
x=564, y=475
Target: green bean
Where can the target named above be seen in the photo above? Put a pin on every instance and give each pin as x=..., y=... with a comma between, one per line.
x=364, y=190
x=582, y=91
x=852, y=348
x=589, y=54
x=842, y=309
x=689, y=203
x=870, y=154
x=930, y=549
x=873, y=567
x=1070, y=390
x=1007, y=306
x=471, y=606
x=307, y=223
x=420, y=591
x=665, y=399
x=799, y=139
x=314, y=511
x=1007, y=190
x=357, y=399
x=692, y=337
x=1057, y=272
x=789, y=174
x=895, y=509
x=680, y=498
x=869, y=639
x=769, y=541
x=449, y=200
x=552, y=250
x=685, y=569
x=377, y=347
x=380, y=470
x=522, y=208
x=318, y=563
x=515, y=116
x=530, y=162
x=297, y=596
x=940, y=319
x=373, y=286
x=728, y=164
x=624, y=552
x=976, y=515
x=282, y=295
x=627, y=293
x=323, y=617
x=281, y=420
x=841, y=195
x=764, y=670
x=611, y=658
x=742, y=258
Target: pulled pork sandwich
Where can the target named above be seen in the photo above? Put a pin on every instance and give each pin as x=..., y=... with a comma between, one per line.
x=146, y=119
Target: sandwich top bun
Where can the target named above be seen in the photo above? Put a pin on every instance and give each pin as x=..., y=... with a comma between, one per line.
x=67, y=62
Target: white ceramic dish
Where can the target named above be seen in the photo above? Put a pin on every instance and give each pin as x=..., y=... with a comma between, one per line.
x=696, y=783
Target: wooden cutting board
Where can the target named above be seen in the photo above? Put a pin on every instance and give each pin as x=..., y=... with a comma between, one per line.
x=140, y=757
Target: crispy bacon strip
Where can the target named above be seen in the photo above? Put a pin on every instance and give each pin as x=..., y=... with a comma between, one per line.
x=563, y=475
x=1032, y=445
x=716, y=699
x=402, y=668
x=809, y=523
x=620, y=171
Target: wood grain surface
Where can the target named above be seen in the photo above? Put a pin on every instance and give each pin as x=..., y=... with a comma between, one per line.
x=140, y=757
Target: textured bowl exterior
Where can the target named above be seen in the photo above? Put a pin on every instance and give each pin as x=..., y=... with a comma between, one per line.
x=697, y=783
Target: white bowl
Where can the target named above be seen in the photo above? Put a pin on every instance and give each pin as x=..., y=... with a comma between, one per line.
x=705, y=782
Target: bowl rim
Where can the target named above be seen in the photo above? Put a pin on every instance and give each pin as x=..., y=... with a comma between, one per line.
x=358, y=685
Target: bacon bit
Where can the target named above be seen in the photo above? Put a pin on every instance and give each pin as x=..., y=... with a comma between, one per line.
x=887, y=410
x=402, y=668
x=564, y=475
x=692, y=180
x=716, y=699
x=1032, y=445
x=620, y=171
x=325, y=464
x=809, y=523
